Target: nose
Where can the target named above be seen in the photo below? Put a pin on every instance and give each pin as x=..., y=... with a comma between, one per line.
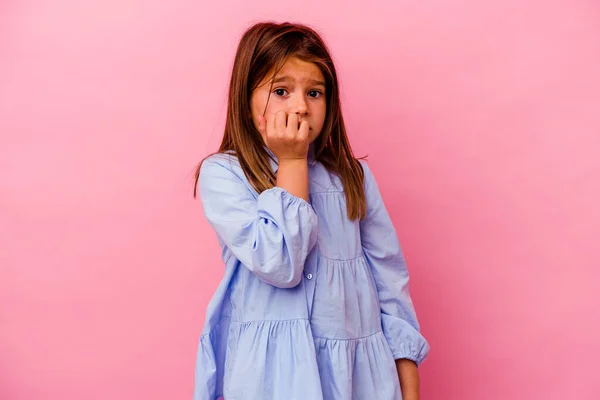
x=299, y=106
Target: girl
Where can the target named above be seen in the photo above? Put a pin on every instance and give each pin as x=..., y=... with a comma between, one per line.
x=314, y=304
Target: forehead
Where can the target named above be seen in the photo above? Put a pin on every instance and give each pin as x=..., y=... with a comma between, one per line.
x=299, y=67
x=297, y=70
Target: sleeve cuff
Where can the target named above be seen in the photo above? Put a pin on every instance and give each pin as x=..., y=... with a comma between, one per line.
x=285, y=195
x=405, y=341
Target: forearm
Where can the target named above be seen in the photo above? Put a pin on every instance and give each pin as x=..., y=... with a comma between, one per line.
x=408, y=374
x=292, y=175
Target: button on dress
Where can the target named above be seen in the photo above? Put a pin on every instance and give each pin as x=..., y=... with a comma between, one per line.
x=312, y=305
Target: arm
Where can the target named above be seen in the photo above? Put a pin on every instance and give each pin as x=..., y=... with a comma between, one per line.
x=384, y=254
x=408, y=374
x=292, y=176
x=271, y=234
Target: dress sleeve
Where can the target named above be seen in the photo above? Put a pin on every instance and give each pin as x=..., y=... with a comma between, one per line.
x=271, y=234
x=386, y=259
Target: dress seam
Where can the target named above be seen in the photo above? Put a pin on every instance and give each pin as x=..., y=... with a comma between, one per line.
x=358, y=338
x=327, y=191
x=268, y=320
x=216, y=324
x=361, y=257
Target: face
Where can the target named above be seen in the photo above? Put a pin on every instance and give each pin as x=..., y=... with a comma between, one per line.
x=299, y=87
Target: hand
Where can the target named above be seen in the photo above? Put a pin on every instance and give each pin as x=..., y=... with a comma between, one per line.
x=284, y=136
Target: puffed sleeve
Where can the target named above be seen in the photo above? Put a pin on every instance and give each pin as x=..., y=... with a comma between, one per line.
x=384, y=255
x=271, y=234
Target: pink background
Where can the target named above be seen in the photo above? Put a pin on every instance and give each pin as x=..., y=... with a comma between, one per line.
x=482, y=124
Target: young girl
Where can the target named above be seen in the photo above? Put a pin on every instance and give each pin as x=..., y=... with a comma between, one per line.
x=314, y=304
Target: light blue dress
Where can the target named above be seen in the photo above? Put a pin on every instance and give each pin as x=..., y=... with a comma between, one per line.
x=312, y=305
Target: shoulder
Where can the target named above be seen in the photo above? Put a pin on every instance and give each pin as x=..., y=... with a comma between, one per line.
x=369, y=178
x=227, y=160
x=221, y=171
x=364, y=165
x=220, y=163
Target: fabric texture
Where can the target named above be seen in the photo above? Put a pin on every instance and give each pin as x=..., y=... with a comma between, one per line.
x=312, y=305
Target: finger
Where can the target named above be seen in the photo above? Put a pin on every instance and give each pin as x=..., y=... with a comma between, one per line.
x=292, y=124
x=280, y=123
x=262, y=124
x=303, y=131
x=270, y=131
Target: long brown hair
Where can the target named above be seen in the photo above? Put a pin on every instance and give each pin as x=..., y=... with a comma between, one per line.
x=266, y=47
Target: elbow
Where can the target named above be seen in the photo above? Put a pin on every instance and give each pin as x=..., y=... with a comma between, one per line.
x=285, y=278
x=279, y=273
x=291, y=282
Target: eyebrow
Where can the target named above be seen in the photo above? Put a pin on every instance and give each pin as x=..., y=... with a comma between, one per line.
x=289, y=78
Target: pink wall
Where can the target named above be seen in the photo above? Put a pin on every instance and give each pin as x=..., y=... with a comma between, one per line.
x=482, y=123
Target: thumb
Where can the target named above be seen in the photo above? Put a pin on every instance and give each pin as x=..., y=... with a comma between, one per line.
x=262, y=122
x=262, y=127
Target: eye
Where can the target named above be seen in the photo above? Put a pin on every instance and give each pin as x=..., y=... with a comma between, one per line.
x=315, y=93
x=278, y=92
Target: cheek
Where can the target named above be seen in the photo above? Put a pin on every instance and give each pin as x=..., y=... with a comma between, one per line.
x=321, y=116
x=259, y=102
x=271, y=108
